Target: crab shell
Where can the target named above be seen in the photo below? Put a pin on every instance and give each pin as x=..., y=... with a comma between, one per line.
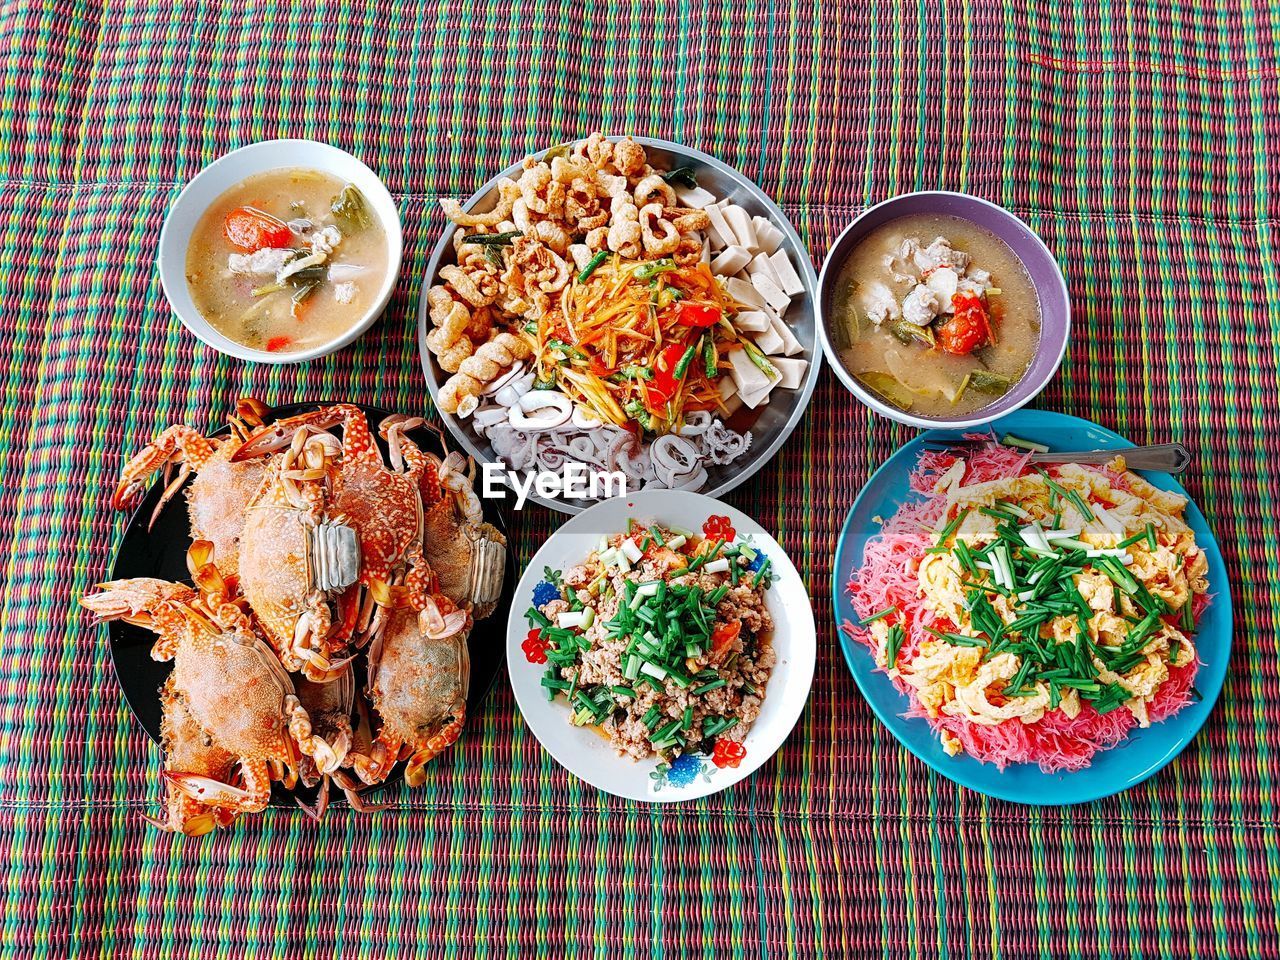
x=217, y=500
x=276, y=575
x=238, y=692
x=467, y=555
x=221, y=490
x=189, y=750
x=418, y=690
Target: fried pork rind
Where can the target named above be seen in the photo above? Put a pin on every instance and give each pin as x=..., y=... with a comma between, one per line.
x=597, y=194
x=482, y=367
x=508, y=192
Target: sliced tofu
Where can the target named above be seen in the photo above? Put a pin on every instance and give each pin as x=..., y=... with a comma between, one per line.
x=745, y=293
x=753, y=321
x=769, y=341
x=791, y=344
x=752, y=383
x=792, y=370
x=719, y=232
x=729, y=395
x=768, y=237
x=706, y=251
x=747, y=377
x=760, y=264
x=695, y=197
x=730, y=261
x=786, y=274
x=771, y=292
x=740, y=223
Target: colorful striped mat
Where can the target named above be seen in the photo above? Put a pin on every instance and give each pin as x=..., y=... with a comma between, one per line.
x=1139, y=138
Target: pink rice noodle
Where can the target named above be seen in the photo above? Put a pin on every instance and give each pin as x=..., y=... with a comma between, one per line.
x=888, y=579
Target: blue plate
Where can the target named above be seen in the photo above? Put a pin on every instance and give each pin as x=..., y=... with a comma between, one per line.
x=1143, y=752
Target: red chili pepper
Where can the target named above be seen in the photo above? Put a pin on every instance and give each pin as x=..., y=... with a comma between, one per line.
x=968, y=328
x=278, y=343
x=718, y=528
x=250, y=229
x=664, y=385
x=699, y=315
x=534, y=647
x=728, y=753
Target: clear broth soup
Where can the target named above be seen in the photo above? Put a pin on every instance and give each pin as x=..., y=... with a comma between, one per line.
x=908, y=367
x=285, y=222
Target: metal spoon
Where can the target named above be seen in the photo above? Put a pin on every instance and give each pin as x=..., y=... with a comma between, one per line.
x=1161, y=457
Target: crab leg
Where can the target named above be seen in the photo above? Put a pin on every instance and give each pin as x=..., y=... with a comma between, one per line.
x=253, y=797
x=356, y=439
x=179, y=441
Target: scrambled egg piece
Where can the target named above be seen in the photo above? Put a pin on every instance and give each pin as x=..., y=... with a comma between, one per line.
x=954, y=680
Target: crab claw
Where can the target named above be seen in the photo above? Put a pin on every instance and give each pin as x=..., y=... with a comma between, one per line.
x=133, y=600
x=177, y=442
x=317, y=811
x=134, y=476
x=252, y=409
x=280, y=434
x=350, y=787
x=436, y=624
x=401, y=420
x=414, y=774
x=269, y=439
x=206, y=789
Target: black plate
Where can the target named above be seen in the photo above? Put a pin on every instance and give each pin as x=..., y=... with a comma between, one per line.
x=162, y=552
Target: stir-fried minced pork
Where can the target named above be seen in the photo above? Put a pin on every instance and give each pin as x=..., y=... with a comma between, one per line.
x=662, y=640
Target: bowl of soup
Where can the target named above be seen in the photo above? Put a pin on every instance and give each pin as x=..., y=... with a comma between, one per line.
x=281, y=251
x=941, y=309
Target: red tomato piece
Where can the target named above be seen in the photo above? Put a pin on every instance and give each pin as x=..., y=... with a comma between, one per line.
x=723, y=635
x=728, y=753
x=718, y=528
x=699, y=315
x=279, y=343
x=250, y=229
x=664, y=385
x=534, y=647
x=968, y=328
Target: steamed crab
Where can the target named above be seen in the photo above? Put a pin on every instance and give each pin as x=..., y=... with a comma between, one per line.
x=228, y=682
x=284, y=548
x=221, y=490
x=382, y=509
x=468, y=555
x=189, y=750
x=418, y=689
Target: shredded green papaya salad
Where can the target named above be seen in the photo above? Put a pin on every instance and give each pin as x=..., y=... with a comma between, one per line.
x=661, y=639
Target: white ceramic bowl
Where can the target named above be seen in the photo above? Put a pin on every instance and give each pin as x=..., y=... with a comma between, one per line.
x=588, y=755
x=223, y=174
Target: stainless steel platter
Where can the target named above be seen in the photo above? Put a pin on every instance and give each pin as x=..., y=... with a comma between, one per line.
x=769, y=425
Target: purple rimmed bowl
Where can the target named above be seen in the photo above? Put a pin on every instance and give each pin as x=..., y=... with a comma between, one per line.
x=1042, y=268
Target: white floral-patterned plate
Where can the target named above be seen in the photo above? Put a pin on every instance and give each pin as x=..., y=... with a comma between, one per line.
x=587, y=754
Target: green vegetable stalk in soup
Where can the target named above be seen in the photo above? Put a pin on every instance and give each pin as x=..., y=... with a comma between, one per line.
x=287, y=259
x=936, y=315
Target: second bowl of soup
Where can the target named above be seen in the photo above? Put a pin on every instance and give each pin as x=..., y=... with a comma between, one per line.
x=941, y=309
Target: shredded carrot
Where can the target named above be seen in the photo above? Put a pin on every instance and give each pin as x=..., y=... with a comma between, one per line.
x=606, y=338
